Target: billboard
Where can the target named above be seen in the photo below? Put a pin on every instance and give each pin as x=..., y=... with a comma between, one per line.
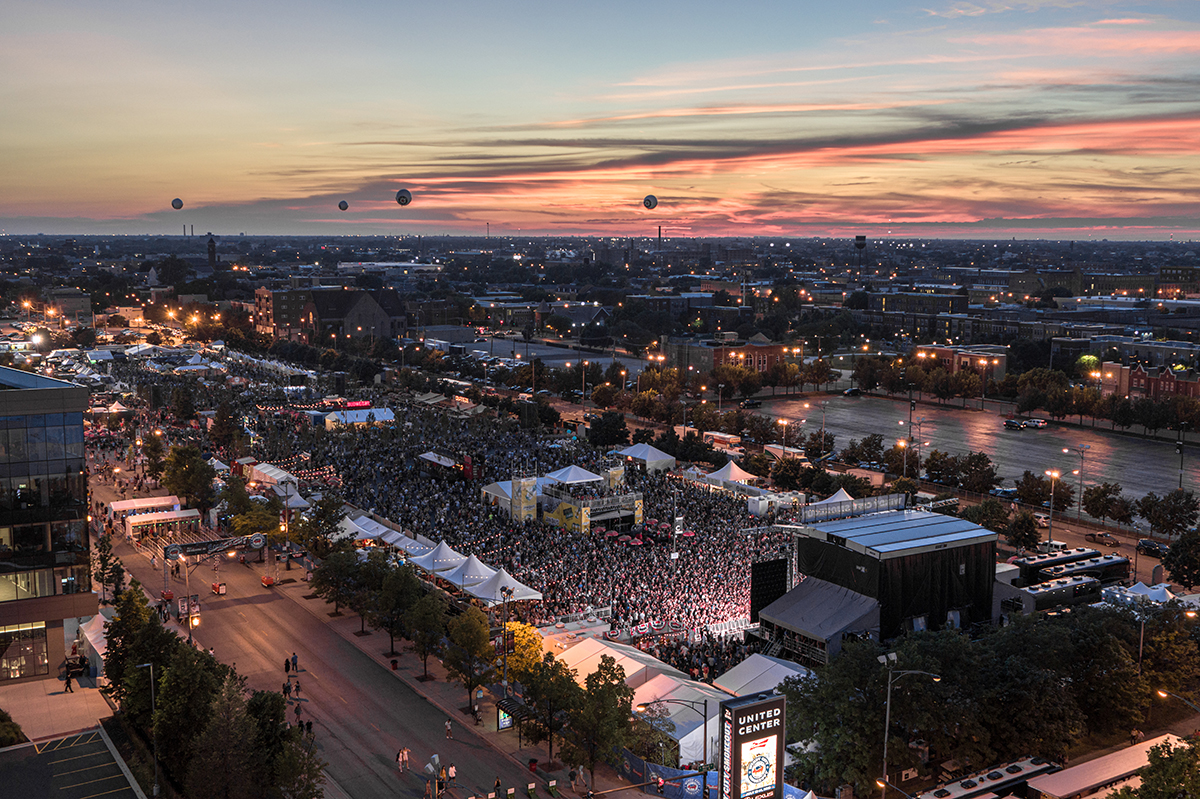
x=752, y=737
x=524, y=498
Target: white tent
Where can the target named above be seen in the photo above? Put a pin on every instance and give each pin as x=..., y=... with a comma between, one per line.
x=439, y=559
x=440, y=460
x=640, y=667
x=572, y=475
x=689, y=730
x=472, y=571
x=1155, y=593
x=758, y=673
x=350, y=528
x=654, y=459
x=733, y=473
x=840, y=496
x=216, y=464
x=489, y=589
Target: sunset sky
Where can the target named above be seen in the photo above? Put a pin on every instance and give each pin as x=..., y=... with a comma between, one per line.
x=1037, y=119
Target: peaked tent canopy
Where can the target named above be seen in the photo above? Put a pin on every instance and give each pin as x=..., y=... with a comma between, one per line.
x=572, y=475
x=733, y=473
x=654, y=458
x=472, y=571
x=439, y=559
x=840, y=496
x=489, y=589
x=758, y=673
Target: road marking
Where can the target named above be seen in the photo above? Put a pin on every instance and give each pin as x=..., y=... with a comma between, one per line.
x=89, y=768
x=118, y=775
x=79, y=757
x=106, y=793
x=376, y=728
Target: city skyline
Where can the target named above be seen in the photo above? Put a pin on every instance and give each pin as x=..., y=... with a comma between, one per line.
x=958, y=120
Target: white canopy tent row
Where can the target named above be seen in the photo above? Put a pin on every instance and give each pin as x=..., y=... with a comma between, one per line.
x=492, y=590
x=472, y=571
x=684, y=702
x=574, y=475
x=441, y=558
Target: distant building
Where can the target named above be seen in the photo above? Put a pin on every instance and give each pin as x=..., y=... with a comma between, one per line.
x=758, y=353
x=989, y=361
x=45, y=572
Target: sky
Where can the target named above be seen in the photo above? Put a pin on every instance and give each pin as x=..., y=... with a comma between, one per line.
x=1059, y=119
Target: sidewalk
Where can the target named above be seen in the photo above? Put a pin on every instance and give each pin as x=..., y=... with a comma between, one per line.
x=46, y=711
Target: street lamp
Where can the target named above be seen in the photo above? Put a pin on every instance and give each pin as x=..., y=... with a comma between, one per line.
x=1080, y=450
x=506, y=592
x=153, y=723
x=885, y=785
x=1053, y=474
x=720, y=391
x=903, y=445
x=889, y=660
x=823, y=406
x=1165, y=694
x=694, y=705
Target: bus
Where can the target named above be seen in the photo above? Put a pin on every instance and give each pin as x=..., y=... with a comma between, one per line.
x=1064, y=592
x=1108, y=569
x=1030, y=567
x=1002, y=780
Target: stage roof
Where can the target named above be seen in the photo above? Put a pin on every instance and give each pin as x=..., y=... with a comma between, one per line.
x=821, y=610
x=897, y=533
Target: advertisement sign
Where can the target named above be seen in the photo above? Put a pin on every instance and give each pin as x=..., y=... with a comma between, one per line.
x=504, y=719
x=752, y=738
x=637, y=511
x=524, y=498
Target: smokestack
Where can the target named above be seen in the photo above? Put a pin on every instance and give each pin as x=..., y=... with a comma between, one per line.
x=660, y=237
x=193, y=230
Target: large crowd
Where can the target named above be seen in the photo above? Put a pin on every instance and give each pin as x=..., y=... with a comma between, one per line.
x=380, y=470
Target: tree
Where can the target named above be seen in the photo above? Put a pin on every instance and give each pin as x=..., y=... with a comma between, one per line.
x=609, y=430
x=600, y=720
x=108, y=570
x=989, y=513
x=1032, y=489
x=941, y=467
x=222, y=432
x=131, y=616
x=267, y=710
x=400, y=591
x=185, y=697
x=10, y=731
x=317, y=528
x=1121, y=510
x=526, y=649
x=817, y=444
x=1022, y=531
x=977, y=473
x=181, y=404
x=301, y=773
x=1172, y=514
x=650, y=732
x=1098, y=499
x=469, y=656
x=550, y=692
x=189, y=476
x=336, y=579
x=1182, y=560
x=426, y=622
x=902, y=460
x=559, y=324
x=152, y=451
x=222, y=765
x=1172, y=772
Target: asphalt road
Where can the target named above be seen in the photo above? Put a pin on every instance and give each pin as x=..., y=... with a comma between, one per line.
x=361, y=713
x=1139, y=465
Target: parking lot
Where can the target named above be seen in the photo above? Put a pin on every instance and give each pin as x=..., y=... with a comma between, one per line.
x=75, y=767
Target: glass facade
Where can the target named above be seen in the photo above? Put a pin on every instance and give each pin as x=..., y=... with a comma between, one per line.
x=43, y=507
x=23, y=651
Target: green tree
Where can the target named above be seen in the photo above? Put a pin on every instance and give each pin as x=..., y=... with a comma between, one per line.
x=222, y=761
x=1098, y=499
x=1032, y=489
x=526, y=649
x=1173, y=772
x=990, y=513
x=268, y=712
x=941, y=467
x=301, y=773
x=1172, y=514
x=650, y=733
x=559, y=324
x=469, y=656
x=550, y=692
x=1182, y=560
x=317, y=528
x=152, y=450
x=401, y=590
x=131, y=615
x=10, y=731
x=181, y=404
x=189, y=476
x=426, y=622
x=185, y=696
x=1022, y=531
x=108, y=569
x=599, y=721
x=609, y=430
x=977, y=473
x=223, y=431
x=336, y=579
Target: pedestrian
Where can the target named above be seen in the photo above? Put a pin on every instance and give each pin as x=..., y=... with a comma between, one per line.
x=452, y=775
x=287, y=665
x=297, y=713
x=308, y=728
x=449, y=736
x=68, y=689
x=295, y=663
x=287, y=691
x=406, y=752
x=573, y=776
x=429, y=789
x=496, y=787
x=400, y=759
x=296, y=688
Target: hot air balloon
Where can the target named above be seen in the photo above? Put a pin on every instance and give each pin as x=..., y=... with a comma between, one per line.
x=404, y=196
x=177, y=203
x=650, y=201
x=343, y=205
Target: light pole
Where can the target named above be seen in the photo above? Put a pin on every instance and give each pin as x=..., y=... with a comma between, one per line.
x=583, y=382
x=1165, y=694
x=824, y=403
x=903, y=445
x=889, y=660
x=507, y=593
x=720, y=391
x=1053, y=474
x=696, y=707
x=1080, y=450
x=287, y=523
x=153, y=723
x=885, y=785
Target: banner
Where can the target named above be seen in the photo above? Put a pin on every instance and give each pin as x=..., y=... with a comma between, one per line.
x=524, y=498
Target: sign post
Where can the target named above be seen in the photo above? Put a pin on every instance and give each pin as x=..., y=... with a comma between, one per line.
x=753, y=732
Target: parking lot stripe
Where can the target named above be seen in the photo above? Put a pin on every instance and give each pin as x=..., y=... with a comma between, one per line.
x=118, y=775
x=106, y=793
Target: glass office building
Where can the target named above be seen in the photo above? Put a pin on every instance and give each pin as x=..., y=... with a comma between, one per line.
x=44, y=553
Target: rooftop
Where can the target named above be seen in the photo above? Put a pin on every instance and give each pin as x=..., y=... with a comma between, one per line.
x=897, y=533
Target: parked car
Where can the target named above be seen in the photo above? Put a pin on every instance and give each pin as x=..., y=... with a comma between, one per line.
x=1148, y=546
x=751, y=403
x=1014, y=424
x=1042, y=519
x=852, y=392
x=1038, y=423
x=1105, y=539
